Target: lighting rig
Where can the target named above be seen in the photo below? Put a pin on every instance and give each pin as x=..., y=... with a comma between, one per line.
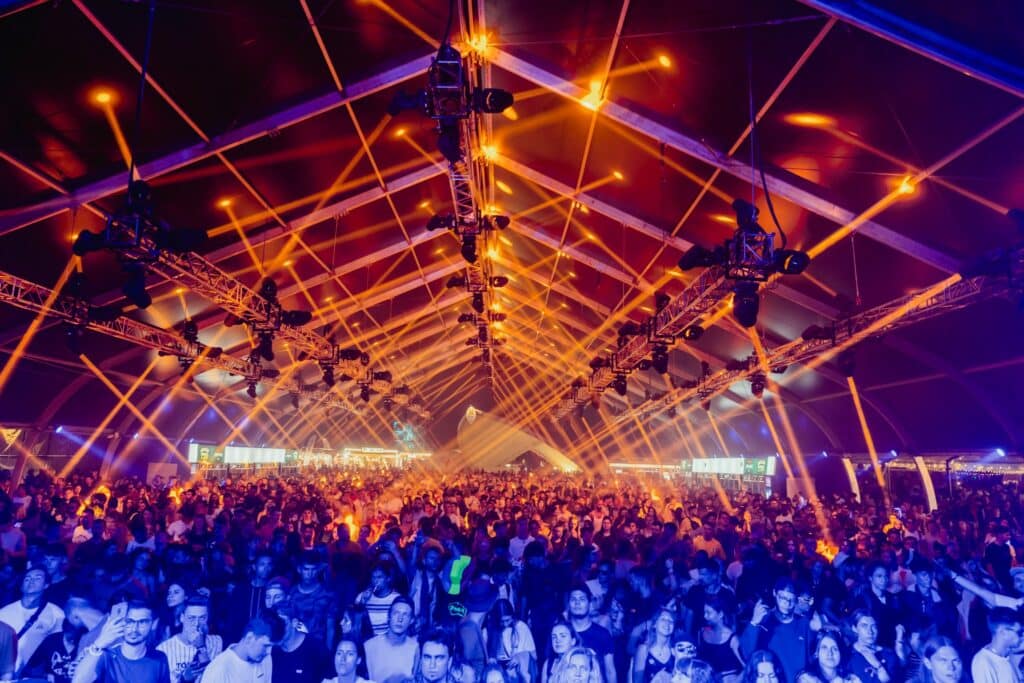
x=748, y=259
x=735, y=269
x=1007, y=282
x=148, y=246
x=454, y=99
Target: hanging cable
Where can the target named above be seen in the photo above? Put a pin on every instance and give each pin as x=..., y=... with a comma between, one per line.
x=856, y=277
x=142, y=89
x=756, y=162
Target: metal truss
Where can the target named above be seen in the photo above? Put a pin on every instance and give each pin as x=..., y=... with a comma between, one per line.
x=32, y=297
x=903, y=311
x=706, y=292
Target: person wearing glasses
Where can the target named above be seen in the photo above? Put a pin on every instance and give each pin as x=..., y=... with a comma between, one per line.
x=779, y=630
x=190, y=651
x=129, y=662
x=992, y=663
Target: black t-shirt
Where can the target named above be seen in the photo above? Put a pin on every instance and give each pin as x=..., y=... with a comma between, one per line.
x=598, y=639
x=51, y=657
x=308, y=663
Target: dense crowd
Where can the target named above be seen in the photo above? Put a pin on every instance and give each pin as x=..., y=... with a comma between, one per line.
x=350, y=577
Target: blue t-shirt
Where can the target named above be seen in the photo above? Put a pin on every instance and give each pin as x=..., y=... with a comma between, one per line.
x=114, y=667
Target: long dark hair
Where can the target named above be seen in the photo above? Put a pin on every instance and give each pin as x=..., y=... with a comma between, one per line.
x=495, y=642
x=759, y=657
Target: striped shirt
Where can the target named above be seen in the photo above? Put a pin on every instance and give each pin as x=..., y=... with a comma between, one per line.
x=180, y=654
x=377, y=610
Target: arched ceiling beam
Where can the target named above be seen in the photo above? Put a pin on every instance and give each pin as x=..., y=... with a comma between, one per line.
x=630, y=221
x=939, y=364
x=925, y=42
x=800, y=192
x=216, y=145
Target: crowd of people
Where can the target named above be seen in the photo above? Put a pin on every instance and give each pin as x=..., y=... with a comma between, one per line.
x=396, y=577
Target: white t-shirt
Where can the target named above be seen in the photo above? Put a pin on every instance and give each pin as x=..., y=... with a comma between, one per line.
x=180, y=654
x=50, y=620
x=359, y=679
x=988, y=667
x=384, y=660
x=227, y=667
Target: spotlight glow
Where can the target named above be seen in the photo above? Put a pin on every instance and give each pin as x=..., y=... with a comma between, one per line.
x=810, y=120
x=224, y=203
x=103, y=97
x=907, y=186
x=664, y=61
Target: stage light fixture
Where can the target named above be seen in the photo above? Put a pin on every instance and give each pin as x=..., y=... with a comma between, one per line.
x=59, y=429
x=671, y=412
x=364, y=393
x=250, y=389
x=791, y=261
x=441, y=222
x=598, y=362
x=661, y=300
x=706, y=405
x=692, y=332
x=190, y=331
x=482, y=334
x=746, y=303
x=485, y=356
x=498, y=221
x=268, y=290
x=492, y=100
x=468, y=249
x=295, y=401
x=478, y=302
x=265, y=346
x=105, y=314
x=619, y=385
x=456, y=281
x=645, y=364
x=467, y=318
x=499, y=317
x=328, y=376
x=659, y=359
x=699, y=257
x=499, y=281
x=472, y=341
x=779, y=369
x=135, y=286
x=296, y=318
x=757, y=384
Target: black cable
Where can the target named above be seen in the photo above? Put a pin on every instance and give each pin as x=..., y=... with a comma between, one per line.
x=142, y=89
x=448, y=26
x=756, y=161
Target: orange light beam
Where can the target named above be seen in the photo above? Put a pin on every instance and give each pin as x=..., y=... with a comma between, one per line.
x=105, y=422
x=107, y=108
x=876, y=465
x=406, y=23
x=30, y=333
x=229, y=209
x=775, y=439
x=135, y=411
x=218, y=411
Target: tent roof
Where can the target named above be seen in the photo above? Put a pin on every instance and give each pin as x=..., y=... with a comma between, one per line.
x=243, y=105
